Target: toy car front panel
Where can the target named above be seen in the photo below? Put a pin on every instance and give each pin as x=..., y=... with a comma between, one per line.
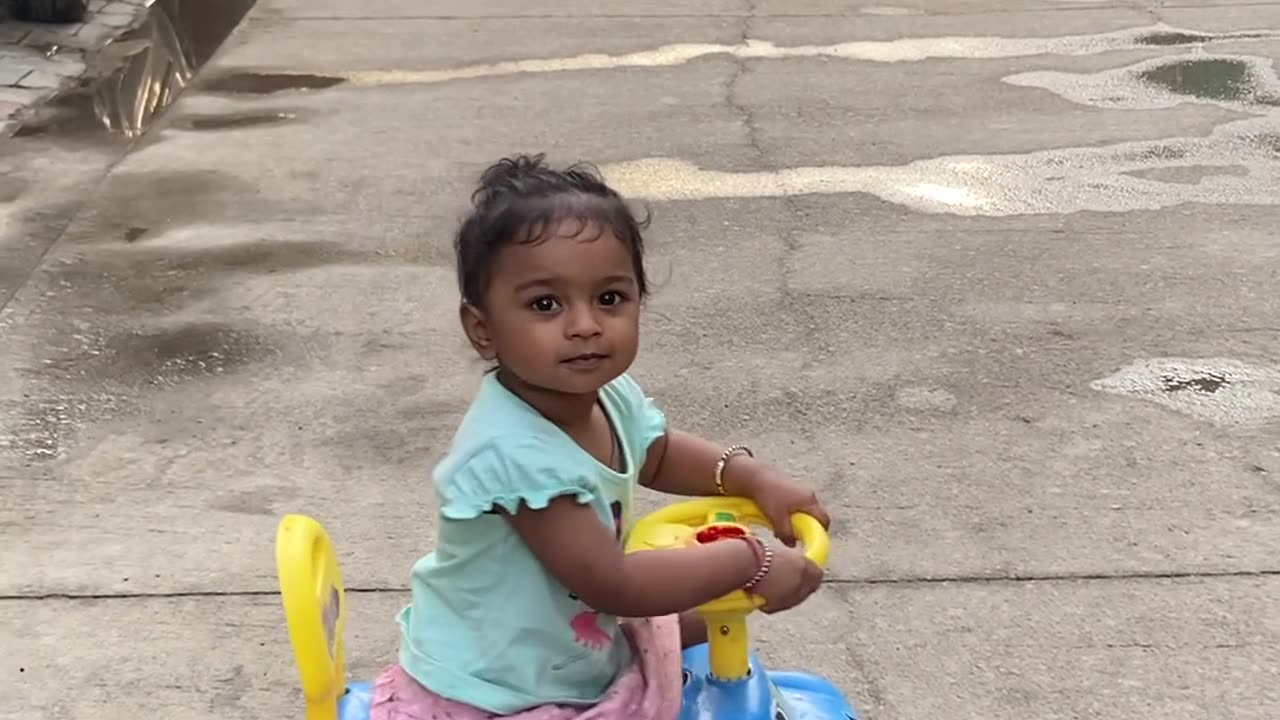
x=354, y=703
x=809, y=697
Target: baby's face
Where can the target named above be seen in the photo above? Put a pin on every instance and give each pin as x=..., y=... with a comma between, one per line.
x=563, y=312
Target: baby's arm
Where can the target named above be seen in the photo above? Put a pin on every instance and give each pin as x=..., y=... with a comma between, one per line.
x=583, y=554
x=682, y=464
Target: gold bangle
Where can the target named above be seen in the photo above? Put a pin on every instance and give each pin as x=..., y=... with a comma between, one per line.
x=724, y=460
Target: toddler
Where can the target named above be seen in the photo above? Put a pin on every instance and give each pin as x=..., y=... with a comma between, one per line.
x=528, y=606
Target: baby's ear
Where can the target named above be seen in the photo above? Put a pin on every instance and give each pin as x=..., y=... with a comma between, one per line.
x=477, y=330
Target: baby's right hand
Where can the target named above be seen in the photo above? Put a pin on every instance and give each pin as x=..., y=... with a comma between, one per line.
x=792, y=578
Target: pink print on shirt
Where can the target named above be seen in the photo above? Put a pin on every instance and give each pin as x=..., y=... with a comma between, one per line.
x=587, y=632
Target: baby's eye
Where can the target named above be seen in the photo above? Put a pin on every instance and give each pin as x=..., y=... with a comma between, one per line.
x=544, y=304
x=611, y=297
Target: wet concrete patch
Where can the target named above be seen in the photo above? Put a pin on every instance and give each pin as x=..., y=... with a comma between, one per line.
x=267, y=83
x=42, y=426
x=1239, y=82
x=1225, y=79
x=1223, y=391
x=232, y=121
x=1172, y=37
x=1189, y=175
x=11, y=188
x=135, y=78
x=171, y=355
x=165, y=200
x=1143, y=175
x=1097, y=179
x=90, y=375
x=261, y=500
x=141, y=280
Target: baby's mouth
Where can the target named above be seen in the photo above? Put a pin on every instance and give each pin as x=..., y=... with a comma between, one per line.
x=585, y=359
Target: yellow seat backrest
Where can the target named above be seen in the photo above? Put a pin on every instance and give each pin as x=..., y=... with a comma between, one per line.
x=315, y=610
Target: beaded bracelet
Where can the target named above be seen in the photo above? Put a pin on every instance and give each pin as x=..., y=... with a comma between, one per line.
x=724, y=460
x=764, y=559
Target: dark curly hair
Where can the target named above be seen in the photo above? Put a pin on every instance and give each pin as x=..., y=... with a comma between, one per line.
x=521, y=200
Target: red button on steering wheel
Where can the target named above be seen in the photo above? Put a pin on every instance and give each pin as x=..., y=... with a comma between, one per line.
x=712, y=533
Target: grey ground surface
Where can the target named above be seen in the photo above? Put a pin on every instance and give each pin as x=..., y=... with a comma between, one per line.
x=1012, y=304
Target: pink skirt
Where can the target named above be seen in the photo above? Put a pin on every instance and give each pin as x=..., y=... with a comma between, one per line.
x=650, y=689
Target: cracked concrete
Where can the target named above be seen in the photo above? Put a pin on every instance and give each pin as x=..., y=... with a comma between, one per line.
x=246, y=313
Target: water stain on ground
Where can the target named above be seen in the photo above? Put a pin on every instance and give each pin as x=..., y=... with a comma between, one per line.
x=1189, y=175
x=887, y=51
x=1224, y=79
x=11, y=188
x=261, y=500
x=1223, y=391
x=1237, y=82
x=231, y=121
x=135, y=78
x=1141, y=175
x=266, y=83
x=163, y=199
x=1172, y=37
x=145, y=281
x=43, y=425
x=171, y=355
x=1066, y=180
x=1207, y=382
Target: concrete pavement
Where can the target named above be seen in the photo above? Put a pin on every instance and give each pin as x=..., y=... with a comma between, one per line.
x=998, y=276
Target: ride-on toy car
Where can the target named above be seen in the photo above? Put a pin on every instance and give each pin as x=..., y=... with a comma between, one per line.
x=723, y=680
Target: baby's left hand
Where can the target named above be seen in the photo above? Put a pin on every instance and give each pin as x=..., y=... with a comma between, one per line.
x=779, y=497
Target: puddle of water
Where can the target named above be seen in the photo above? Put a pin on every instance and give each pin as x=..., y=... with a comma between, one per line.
x=133, y=79
x=892, y=51
x=1207, y=382
x=1168, y=38
x=265, y=83
x=1238, y=82
x=1223, y=391
x=235, y=120
x=1206, y=78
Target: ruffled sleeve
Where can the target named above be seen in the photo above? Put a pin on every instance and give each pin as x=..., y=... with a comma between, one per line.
x=506, y=473
x=652, y=423
x=645, y=422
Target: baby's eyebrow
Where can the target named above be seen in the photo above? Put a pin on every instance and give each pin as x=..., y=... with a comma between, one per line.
x=620, y=278
x=535, y=282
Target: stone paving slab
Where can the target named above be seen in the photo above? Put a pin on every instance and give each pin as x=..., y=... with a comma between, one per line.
x=46, y=58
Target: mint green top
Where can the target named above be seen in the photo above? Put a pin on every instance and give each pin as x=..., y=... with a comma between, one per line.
x=486, y=625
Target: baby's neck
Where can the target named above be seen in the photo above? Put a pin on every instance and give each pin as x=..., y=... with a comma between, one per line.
x=565, y=410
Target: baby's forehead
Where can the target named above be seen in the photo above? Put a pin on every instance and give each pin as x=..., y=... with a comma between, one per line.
x=589, y=257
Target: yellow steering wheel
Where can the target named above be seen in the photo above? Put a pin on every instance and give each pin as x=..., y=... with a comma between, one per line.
x=700, y=520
